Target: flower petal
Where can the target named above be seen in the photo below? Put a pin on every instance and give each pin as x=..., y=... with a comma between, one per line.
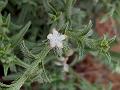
x=52, y=44
x=66, y=67
x=59, y=44
x=49, y=36
x=62, y=37
x=55, y=32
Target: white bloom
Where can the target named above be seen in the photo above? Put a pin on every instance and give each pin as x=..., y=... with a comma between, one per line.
x=56, y=39
x=65, y=67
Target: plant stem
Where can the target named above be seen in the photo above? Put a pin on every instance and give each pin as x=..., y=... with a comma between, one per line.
x=17, y=85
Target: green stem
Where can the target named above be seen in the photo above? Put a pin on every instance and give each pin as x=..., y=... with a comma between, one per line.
x=21, y=63
x=69, y=8
x=17, y=85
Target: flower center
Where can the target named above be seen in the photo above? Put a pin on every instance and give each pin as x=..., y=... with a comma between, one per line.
x=56, y=38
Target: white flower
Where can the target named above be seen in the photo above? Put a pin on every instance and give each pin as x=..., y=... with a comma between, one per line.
x=65, y=67
x=56, y=39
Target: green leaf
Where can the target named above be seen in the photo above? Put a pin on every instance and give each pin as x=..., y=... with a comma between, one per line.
x=89, y=33
x=90, y=43
x=87, y=29
x=16, y=39
x=3, y=4
x=108, y=58
x=21, y=63
x=1, y=20
x=8, y=20
x=3, y=85
x=30, y=70
x=25, y=50
x=112, y=40
x=48, y=6
x=81, y=53
x=6, y=67
x=69, y=7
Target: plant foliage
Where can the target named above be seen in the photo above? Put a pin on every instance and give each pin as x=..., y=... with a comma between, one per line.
x=25, y=51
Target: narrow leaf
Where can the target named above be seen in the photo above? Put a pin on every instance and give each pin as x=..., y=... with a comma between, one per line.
x=16, y=39
x=8, y=20
x=6, y=67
